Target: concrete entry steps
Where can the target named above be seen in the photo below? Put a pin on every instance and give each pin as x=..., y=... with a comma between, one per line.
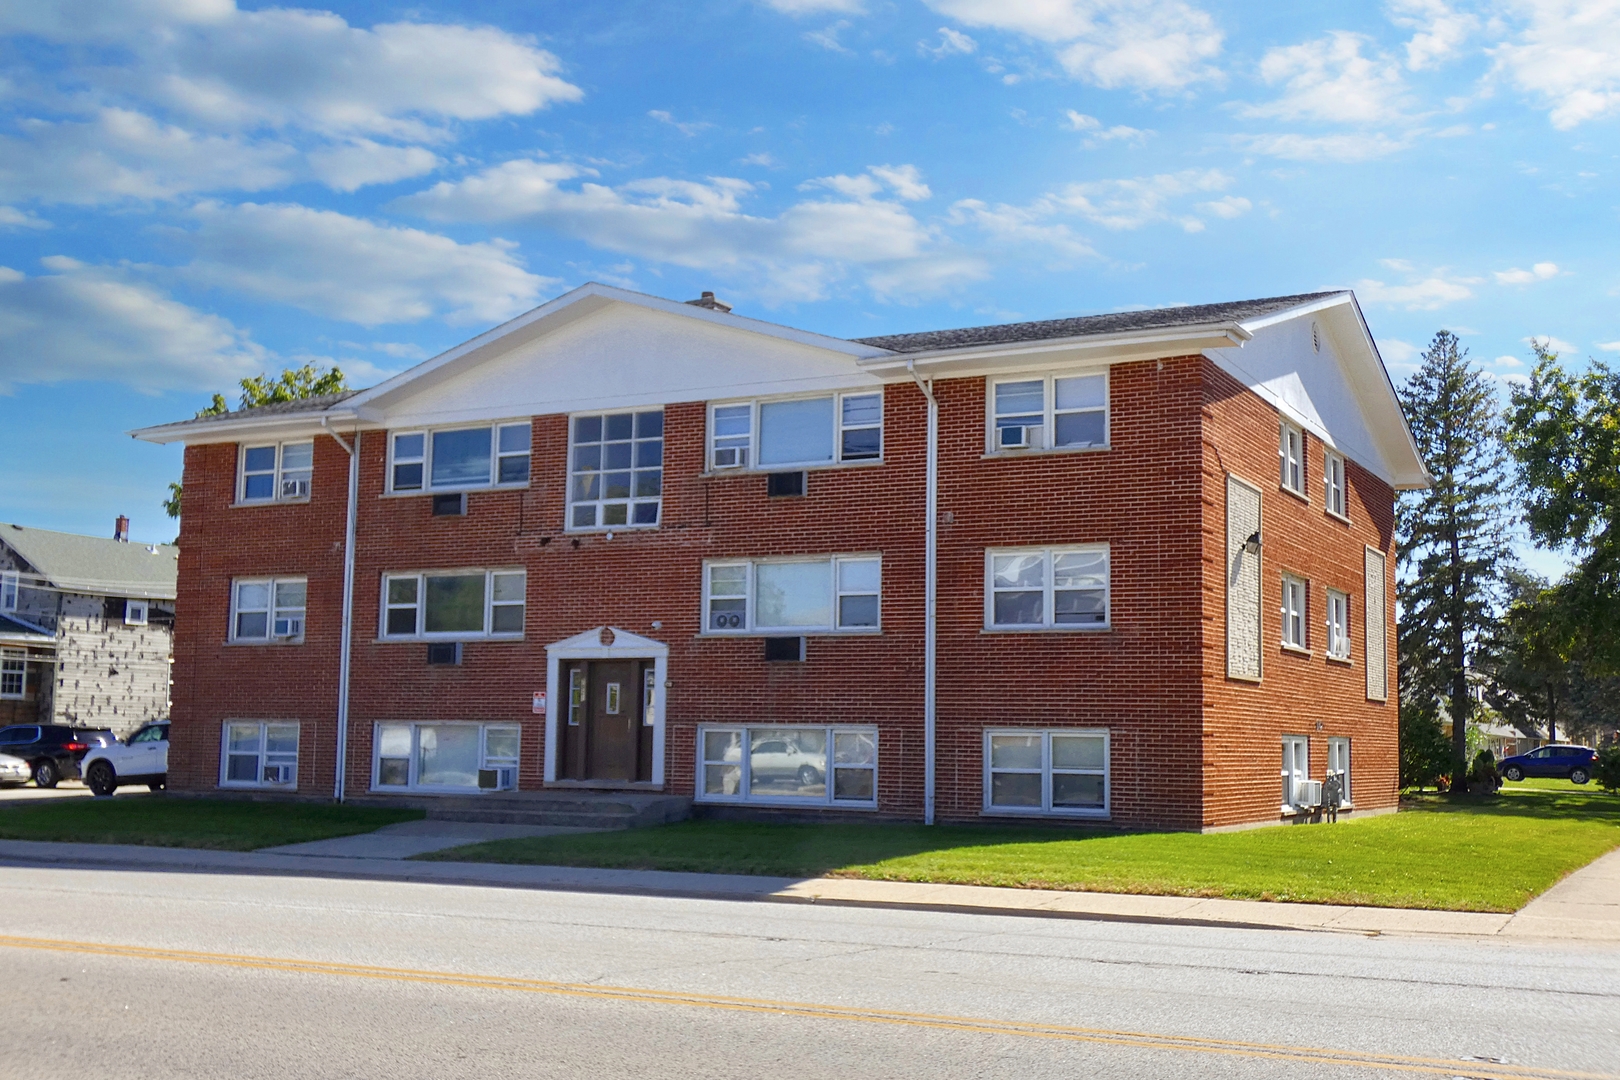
x=572, y=809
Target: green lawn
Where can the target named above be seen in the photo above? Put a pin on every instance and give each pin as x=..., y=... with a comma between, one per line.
x=163, y=821
x=1478, y=857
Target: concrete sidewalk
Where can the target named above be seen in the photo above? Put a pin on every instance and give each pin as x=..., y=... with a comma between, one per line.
x=406, y=838
x=1585, y=907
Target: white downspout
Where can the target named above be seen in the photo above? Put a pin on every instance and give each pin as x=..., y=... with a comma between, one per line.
x=340, y=769
x=930, y=590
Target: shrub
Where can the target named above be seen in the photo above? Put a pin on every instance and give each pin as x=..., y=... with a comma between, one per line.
x=1606, y=770
x=1482, y=774
x=1425, y=753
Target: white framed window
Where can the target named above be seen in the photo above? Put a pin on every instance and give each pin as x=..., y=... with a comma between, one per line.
x=453, y=605
x=8, y=591
x=13, y=673
x=1049, y=412
x=830, y=594
x=444, y=756
x=1339, y=765
x=648, y=696
x=1294, y=599
x=1333, y=484
x=1338, y=624
x=455, y=459
x=268, y=609
x=576, y=695
x=259, y=753
x=788, y=765
x=616, y=470
x=1060, y=588
x=1291, y=458
x=1296, y=767
x=135, y=612
x=1055, y=771
x=275, y=472
x=799, y=432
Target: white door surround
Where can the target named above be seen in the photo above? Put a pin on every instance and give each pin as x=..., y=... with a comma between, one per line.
x=620, y=645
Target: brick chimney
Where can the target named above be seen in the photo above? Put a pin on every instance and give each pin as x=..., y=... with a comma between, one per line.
x=707, y=300
x=121, y=529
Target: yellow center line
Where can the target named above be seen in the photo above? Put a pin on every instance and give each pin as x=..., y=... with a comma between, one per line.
x=973, y=1025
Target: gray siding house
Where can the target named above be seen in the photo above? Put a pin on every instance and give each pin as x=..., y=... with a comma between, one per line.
x=86, y=628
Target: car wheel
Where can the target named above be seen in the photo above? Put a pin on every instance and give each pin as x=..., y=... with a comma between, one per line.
x=101, y=779
x=46, y=774
x=1513, y=772
x=1579, y=776
x=808, y=775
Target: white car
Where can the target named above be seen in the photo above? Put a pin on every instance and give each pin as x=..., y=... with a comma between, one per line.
x=143, y=759
x=13, y=770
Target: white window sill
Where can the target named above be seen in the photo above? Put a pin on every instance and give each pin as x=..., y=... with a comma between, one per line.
x=1335, y=514
x=243, y=784
x=1047, y=629
x=802, y=804
x=1002, y=455
x=451, y=639
x=241, y=503
x=1297, y=650
x=766, y=470
x=377, y=789
x=597, y=530
x=1300, y=495
x=419, y=493
x=785, y=631
x=257, y=643
x=1345, y=660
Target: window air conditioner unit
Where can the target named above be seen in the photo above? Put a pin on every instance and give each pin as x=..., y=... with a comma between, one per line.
x=287, y=628
x=501, y=779
x=295, y=489
x=1013, y=437
x=730, y=457
x=278, y=774
x=1307, y=793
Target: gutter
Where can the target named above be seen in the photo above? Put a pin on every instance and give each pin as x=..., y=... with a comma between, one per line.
x=930, y=592
x=345, y=643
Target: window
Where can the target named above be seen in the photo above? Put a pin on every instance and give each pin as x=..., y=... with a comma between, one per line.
x=444, y=756
x=1333, y=483
x=1063, y=588
x=8, y=592
x=268, y=609
x=1046, y=772
x=454, y=604
x=1296, y=766
x=616, y=475
x=276, y=471
x=135, y=612
x=576, y=695
x=788, y=765
x=1052, y=412
x=260, y=754
x=1293, y=613
x=13, y=673
x=1339, y=765
x=797, y=432
x=648, y=695
x=1338, y=625
x=1291, y=458
x=493, y=454
x=824, y=595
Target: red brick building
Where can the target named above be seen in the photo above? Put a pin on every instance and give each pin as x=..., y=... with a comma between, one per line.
x=1131, y=568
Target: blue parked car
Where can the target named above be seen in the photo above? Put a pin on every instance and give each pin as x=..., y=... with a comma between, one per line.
x=1573, y=762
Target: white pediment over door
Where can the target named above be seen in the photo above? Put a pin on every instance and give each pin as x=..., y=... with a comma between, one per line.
x=589, y=645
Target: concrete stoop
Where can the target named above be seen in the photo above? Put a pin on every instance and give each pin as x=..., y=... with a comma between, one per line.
x=571, y=809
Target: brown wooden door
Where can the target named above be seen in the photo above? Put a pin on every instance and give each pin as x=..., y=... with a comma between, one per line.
x=614, y=719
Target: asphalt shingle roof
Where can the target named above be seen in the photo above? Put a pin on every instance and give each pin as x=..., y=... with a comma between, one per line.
x=1115, y=323
x=94, y=565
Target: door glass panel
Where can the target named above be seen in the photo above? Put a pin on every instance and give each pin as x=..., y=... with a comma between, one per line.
x=447, y=755
x=788, y=762
x=793, y=594
x=796, y=432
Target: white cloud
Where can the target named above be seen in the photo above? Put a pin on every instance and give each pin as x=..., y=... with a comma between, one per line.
x=1567, y=55
x=1295, y=147
x=1554, y=344
x=1418, y=294
x=1609, y=346
x=356, y=164
x=12, y=218
x=1541, y=271
x=827, y=37
x=101, y=20
x=355, y=270
x=1021, y=228
x=1398, y=353
x=1329, y=80
x=951, y=43
x=1136, y=44
x=1232, y=206
x=763, y=159
x=688, y=129
x=1135, y=202
x=1096, y=132
x=84, y=322
x=816, y=7
x=905, y=180
x=1441, y=30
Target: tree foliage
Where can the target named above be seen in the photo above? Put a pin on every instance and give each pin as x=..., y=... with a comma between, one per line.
x=1531, y=659
x=1454, y=542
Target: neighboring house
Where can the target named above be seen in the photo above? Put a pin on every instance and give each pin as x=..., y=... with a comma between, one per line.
x=86, y=628
x=1133, y=568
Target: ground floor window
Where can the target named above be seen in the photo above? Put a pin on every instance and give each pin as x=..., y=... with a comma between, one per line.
x=1296, y=768
x=13, y=674
x=1058, y=771
x=1339, y=766
x=445, y=756
x=260, y=753
x=788, y=765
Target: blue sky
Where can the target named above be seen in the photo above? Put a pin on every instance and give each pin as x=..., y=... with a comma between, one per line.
x=194, y=190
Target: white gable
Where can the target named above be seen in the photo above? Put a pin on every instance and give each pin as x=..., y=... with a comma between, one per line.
x=620, y=355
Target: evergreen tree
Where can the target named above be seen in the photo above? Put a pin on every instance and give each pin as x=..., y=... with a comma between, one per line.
x=1453, y=538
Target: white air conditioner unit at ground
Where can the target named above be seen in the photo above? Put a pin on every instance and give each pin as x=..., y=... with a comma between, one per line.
x=278, y=774
x=1307, y=793
x=503, y=778
x=1013, y=437
x=287, y=628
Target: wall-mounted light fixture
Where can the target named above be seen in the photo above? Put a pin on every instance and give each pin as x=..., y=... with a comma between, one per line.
x=1252, y=544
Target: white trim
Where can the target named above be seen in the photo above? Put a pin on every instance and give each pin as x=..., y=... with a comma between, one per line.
x=1293, y=618
x=10, y=586
x=1092, y=349
x=277, y=472
x=419, y=604
x=632, y=500
x=744, y=764
x=1048, y=589
x=1338, y=629
x=272, y=612
x=428, y=487
x=1046, y=771
x=1335, y=489
x=1340, y=761
x=261, y=754
x=750, y=624
x=588, y=646
x=1049, y=411
x=16, y=660
x=1296, y=766
x=1291, y=456
x=751, y=452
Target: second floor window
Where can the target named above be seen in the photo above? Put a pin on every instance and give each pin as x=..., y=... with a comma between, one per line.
x=453, y=458
x=616, y=470
x=276, y=471
x=1049, y=413
x=1338, y=625
x=797, y=432
x=8, y=592
x=454, y=604
x=268, y=609
x=1039, y=588
x=1291, y=458
x=1333, y=483
x=793, y=596
x=1293, y=613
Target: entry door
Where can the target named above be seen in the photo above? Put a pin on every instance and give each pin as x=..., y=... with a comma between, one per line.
x=605, y=730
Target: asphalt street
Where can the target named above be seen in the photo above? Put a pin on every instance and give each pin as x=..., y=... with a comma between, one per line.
x=148, y=974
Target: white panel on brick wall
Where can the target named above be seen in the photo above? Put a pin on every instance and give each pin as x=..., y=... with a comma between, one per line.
x=1377, y=622
x=1242, y=581
x=623, y=356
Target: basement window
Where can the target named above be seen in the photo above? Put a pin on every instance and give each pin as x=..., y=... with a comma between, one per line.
x=788, y=765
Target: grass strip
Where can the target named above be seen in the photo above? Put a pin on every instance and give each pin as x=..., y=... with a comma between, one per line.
x=164, y=821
